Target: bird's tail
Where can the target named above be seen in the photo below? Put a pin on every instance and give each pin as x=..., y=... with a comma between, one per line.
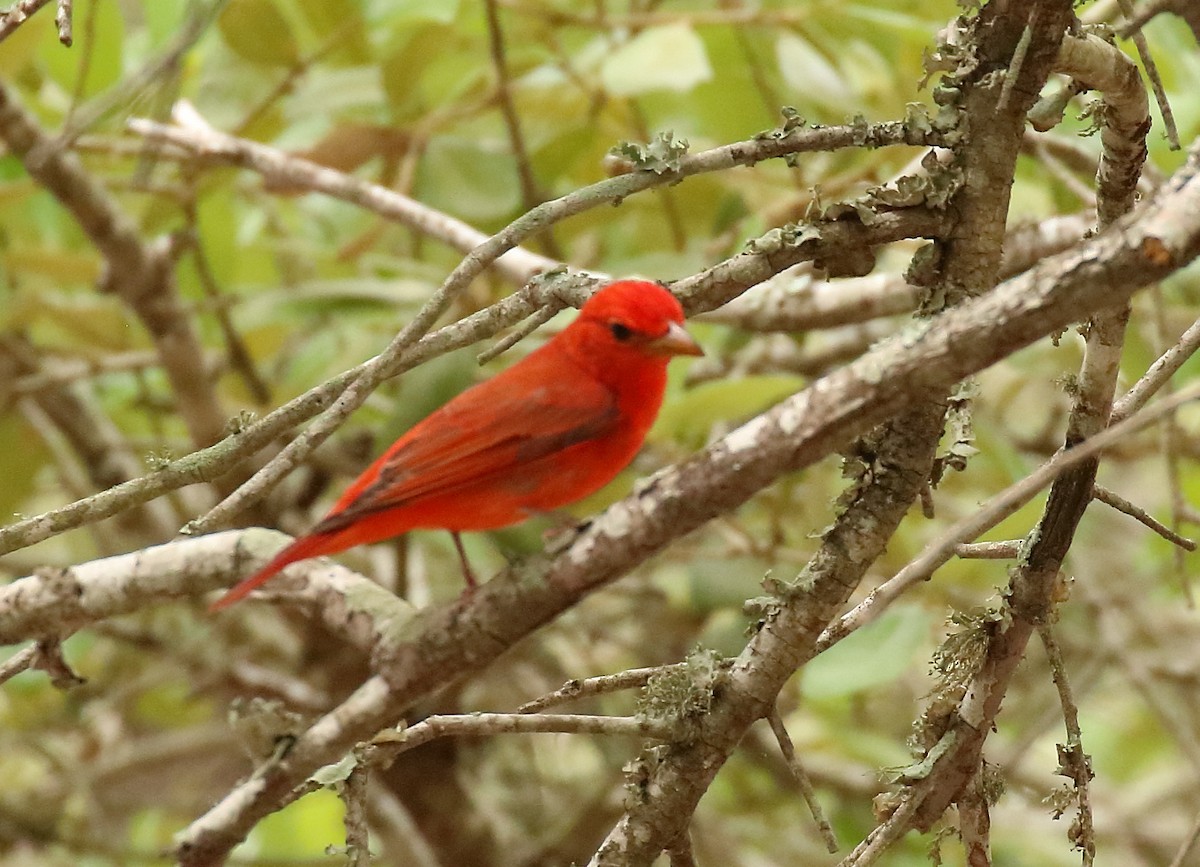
x=312, y=545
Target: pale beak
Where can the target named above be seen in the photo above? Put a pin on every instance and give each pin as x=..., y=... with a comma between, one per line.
x=675, y=342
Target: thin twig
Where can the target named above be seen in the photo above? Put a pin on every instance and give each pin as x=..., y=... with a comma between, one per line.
x=395, y=356
x=530, y=194
x=391, y=742
x=1111, y=498
x=240, y=360
x=1171, y=440
x=64, y=18
x=530, y=325
x=1074, y=763
x=333, y=40
x=48, y=657
x=1188, y=845
x=17, y=15
x=999, y=507
x=1158, y=374
x=871, y=848
x=801, y=777
x=680, y=853
x=634, y=678
x=1170, y=130
x=57, y=370
x=1005, y=550
x=194, y=135
x=18, y=662
x=353, y=792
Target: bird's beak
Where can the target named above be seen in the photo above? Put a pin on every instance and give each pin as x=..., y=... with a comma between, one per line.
x=675, y=342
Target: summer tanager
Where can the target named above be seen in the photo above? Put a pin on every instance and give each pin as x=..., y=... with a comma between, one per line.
x=551, y=429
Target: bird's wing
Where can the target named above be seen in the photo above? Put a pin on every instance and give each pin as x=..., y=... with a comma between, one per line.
x=487, y=431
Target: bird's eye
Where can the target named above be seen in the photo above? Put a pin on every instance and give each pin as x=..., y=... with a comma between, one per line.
x=621, y=332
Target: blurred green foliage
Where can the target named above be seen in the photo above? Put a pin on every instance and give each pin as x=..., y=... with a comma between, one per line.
x=405, y=94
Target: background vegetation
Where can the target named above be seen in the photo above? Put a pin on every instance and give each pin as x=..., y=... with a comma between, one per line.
x=167, y=284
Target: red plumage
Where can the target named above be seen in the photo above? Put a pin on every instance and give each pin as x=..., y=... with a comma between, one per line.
x=553, y=428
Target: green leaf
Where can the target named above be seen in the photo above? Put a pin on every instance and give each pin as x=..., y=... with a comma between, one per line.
x=337, y=90
x=106, y=41
x=689, y=417
x=401, y=70
x=16, y=438
x=173, y=704
x=345, y=19
x=671, y=57
x=810, y=75
x=24, y=43
x=302, y=829
x=871, y=656
x=257, y=31
x=389, y=12
x=163, y=19
x=469, y=179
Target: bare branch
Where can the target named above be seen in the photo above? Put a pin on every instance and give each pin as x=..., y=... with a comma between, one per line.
x=988, y=550
x=1158, y=374
x=390, y=743
x=1111, y=498
x=801, y=777
x=1031, y=592
x=573, y=690
x=1074, y=763
x=1189, y=844
x=396, y=356
x=20, y=661
x=354, y=796
x=801, y=300
x=64, y=19
x=139, y=273
x=975, y=823
x=17, y=15
x=1171, y=131
x=457, y=639
x=193, y=135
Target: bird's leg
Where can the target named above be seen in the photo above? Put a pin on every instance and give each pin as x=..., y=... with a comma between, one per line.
x=468, y=572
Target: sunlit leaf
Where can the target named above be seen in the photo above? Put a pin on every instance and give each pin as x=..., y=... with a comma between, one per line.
x=440, y=11
x=337, y=90
x=871, y=656
x=670, y=57
x=809, y=75
x=303, y=829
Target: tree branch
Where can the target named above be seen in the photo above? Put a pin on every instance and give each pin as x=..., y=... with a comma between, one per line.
x=446, y=643
x=140, y=274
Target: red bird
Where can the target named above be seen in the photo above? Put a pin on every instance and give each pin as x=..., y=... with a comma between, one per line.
x=551, y=429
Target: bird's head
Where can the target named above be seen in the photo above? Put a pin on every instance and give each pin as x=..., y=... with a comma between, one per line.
x=636, y=317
